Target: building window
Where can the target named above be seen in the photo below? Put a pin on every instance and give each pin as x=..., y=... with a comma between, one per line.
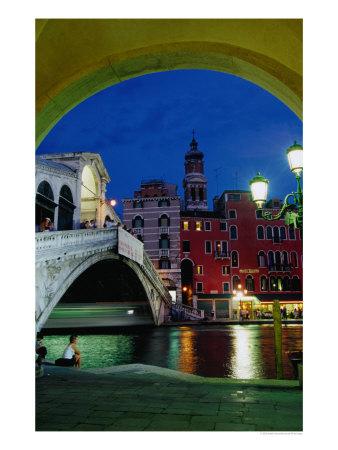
x=259, y=214
x=164, y=242
x=271, y=258
x=268, y=232
x=186, y=225
x=226, y=287
x=296, y=285
x=193, y=195
x=285, y=258
x=234, y=197
x=207, y=226
x=261, y=259
x=278, y=261
x=260, y=232
x=225, y=270
x=249, y=282
x=164, y=264
x=282, y=233
x=199, y=270
x=233, y=232
x=201, y=193
x=232, y=214
x=163, y=203
x=223, y=226
x=276, y=238
x=138, y=222
x=264, y=284
x=199, y=287
x=294, y=259
x=276, y=204
x=198, y=226
x=292, y=235
x=138, y=204
x=286, y=284
x=273, y=284
x=235, y=282
x=279, y=284
x=207, y=246
x=164, y=221
x=186, y=246
x=234, y=259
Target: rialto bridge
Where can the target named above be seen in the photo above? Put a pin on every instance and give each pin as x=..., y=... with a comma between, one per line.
x=78, y=263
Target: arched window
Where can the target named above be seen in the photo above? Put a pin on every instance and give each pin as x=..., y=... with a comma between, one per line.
x=45, y=189
x=260, y=232
x=292, y=233
x=273, y=284
x=294, y=259
x=235, y=282
x=201, y=193
x=249, y=283
x=271, y=258
x=164, y=221
x=234, y=259
x=261, y=259
x=264, y=283
x=44, y=203
x=285, y=258
x=138, y=222
x=296, y=285
x=278, y=260
x=233, y=232
x=282, y=233
x=268, y=232
x=276, y=234
x=66, y=209
x=163, y=203
x=286, y=283
x=193, y=195
x=279, y=284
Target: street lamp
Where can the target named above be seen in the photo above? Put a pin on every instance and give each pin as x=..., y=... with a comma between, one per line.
x=259, y=191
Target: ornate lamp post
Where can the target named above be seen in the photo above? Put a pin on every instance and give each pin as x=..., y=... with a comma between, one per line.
x=259, y=190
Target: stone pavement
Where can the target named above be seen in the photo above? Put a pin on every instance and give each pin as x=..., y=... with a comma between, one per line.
x=137, y=397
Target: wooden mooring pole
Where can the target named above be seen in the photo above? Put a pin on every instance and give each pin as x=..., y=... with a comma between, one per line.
x=277, y=325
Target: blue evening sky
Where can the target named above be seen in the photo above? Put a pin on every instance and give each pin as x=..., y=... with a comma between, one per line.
x=143, y=127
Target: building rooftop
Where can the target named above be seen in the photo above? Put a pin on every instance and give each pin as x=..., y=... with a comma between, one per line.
x=47, y=162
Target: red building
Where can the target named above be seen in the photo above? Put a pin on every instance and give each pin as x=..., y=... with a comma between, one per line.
x=235, y=249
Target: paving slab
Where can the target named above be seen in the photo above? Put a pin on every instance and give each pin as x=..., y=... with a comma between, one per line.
x=138, y=397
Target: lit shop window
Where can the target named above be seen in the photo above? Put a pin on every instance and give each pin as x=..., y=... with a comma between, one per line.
x=198, y=226
x=185, y=225
x=199, y=270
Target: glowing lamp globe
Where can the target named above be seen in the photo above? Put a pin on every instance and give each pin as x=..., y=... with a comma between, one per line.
x=295, y=157
x=259, y=190
x=113, y=202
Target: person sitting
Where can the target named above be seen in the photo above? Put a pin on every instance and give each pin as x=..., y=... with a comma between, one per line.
x=39, y=348
x=51, y=226
x=71, y=355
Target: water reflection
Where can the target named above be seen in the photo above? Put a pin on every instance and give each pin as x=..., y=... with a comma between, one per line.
x=233, y=351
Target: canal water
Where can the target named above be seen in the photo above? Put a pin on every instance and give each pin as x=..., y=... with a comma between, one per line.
x=230, y=351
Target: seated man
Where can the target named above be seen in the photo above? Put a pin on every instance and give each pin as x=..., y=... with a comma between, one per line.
x=39, y=348
x=71, y=355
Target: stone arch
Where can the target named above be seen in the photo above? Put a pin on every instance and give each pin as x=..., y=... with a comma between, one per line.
x=267, y=52
x=90, y=193
x=64, y=282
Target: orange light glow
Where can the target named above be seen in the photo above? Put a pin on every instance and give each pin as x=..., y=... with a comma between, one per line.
x=113, y=202
x=184, y=289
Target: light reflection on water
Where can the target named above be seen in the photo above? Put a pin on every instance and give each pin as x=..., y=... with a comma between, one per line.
x=233, y=351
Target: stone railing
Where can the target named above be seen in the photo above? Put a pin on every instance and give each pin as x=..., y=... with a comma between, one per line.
x=153, y=276
x=53, y=240
x=189, y=310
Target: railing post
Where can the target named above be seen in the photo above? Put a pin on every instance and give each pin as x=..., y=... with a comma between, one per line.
x=277, y=323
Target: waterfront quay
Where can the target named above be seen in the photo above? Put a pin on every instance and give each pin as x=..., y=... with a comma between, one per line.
x=139, y=397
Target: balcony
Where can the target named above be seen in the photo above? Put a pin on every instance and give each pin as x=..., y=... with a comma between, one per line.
x=221, y=255
x=164, y=253
x=163, y=230
x=280, y=267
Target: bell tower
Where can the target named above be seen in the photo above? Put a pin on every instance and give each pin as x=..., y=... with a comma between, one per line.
x=194, y=183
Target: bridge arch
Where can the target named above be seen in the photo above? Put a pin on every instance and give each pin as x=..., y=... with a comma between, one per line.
x=65, y=280
x=103, y=52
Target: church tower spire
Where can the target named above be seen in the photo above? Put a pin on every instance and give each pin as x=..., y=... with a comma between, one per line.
x=194, y=183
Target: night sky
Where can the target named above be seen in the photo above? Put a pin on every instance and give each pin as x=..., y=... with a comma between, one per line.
x=143, y=127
